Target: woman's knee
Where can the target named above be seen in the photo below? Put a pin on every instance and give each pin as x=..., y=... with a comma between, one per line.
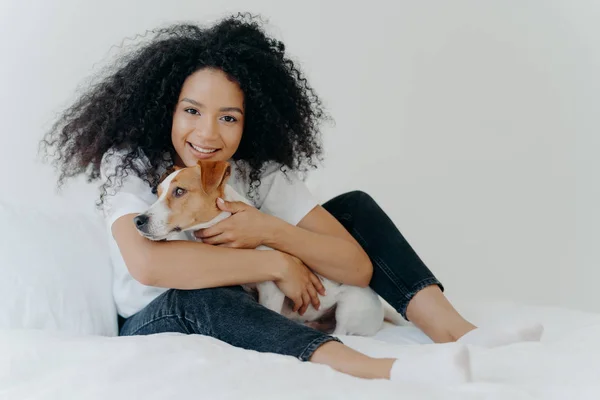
x=359, y=199
x=360, y=196
x=349, y=206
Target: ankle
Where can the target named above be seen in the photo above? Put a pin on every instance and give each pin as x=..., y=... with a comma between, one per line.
x=369, y=368
x=459, y=330
x=351, y=362
x=380, y=368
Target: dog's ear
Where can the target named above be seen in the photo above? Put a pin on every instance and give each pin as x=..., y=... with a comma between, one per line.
x=168, y=172
x=213, y=174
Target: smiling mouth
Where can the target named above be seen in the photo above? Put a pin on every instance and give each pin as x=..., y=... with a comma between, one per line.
x=203, y=150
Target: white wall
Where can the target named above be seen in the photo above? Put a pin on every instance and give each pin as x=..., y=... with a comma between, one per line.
x=461, y=118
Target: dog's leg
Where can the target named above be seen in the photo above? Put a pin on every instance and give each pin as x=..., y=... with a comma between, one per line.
x=270, y=296
x=390, y=314
x=340, y=330
x=359, y=312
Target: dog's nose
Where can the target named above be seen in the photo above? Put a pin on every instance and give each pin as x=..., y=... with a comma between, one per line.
x=141, y=221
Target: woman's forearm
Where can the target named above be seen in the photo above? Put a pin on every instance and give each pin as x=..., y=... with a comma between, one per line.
x=338, y=259
x=193, y=265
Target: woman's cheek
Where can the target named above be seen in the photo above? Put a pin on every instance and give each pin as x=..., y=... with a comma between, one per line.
x=180, y=129
x=235, y=137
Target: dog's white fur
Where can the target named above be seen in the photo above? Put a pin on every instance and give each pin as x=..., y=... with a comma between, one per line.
x=359, y=311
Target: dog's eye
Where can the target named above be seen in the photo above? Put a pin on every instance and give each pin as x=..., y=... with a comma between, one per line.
x=178, y=192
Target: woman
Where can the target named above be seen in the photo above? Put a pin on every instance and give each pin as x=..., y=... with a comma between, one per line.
x=229, y=92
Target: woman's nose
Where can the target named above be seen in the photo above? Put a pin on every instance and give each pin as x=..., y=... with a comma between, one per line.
x=207, y=129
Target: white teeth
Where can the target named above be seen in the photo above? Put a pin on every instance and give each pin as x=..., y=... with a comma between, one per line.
x=202, y=150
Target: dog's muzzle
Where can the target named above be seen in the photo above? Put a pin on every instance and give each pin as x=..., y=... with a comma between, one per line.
x=141, y=223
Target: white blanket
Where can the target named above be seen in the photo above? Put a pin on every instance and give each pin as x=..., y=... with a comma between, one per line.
x=54, y=365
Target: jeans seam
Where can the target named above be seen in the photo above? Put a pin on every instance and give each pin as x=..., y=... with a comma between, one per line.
x=153, y=320
x=346, y=216
x=416, y=287
x=314, y=345
x=391, y=275
x=208, y=323
x=362, y=240
x=182, y=314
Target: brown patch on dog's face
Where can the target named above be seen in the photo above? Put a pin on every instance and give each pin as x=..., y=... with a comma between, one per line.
x=164, y=176
x=192, y=194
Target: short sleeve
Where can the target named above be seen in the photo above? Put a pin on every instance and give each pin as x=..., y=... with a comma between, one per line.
x=285, y=195
x=132, y=196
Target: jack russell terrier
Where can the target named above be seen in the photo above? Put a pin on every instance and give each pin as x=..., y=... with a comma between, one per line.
x=187, y=202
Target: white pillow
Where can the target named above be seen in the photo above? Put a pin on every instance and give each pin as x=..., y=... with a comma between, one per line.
x=54, y=272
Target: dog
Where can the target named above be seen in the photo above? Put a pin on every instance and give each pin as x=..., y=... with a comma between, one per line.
x=187, y=202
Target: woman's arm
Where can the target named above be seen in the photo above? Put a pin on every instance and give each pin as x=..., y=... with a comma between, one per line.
x=191, y=265
x=319, y=240
x=324, y=245
x=194, y=265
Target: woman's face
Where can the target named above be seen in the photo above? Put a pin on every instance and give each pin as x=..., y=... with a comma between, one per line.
x=208, y=119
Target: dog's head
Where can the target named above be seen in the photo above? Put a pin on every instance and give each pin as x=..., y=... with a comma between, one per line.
x=187, y=197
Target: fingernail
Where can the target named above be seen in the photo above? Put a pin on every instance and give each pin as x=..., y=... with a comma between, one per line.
x=220, y=200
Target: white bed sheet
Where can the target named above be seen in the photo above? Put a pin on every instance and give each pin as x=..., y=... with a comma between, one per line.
x=55, y=365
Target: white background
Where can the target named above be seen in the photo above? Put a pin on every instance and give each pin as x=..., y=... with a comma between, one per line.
x=474, y=124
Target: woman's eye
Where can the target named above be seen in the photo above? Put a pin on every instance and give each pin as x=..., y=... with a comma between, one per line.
x=192, y=111
x=228, y=118
x=178, y=192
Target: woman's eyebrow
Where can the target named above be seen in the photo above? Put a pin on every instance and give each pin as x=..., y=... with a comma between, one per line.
x=194, y=102
x=197, y=104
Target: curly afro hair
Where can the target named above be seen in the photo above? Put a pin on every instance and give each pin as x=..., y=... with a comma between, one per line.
x=130, y=107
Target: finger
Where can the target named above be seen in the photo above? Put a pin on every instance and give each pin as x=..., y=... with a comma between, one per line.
x=297, y=303
x=305, y=303
x=233, y=244
x=216, y=240
x=318, y=284
x=314, y=297
x=223, y=205
x=212, y=231
x=231, y=206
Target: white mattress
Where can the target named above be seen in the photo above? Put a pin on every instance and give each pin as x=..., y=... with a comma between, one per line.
x=54, y=365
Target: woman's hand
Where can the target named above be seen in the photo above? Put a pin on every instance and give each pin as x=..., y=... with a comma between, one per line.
x=299, y=284
x=245, y=229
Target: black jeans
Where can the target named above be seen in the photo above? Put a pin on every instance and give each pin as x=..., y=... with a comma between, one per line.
x=233, y=316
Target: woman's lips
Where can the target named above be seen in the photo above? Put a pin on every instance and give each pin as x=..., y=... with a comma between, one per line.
x=202, y=152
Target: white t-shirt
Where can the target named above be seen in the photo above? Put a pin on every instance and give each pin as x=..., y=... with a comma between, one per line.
x=282, y=195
